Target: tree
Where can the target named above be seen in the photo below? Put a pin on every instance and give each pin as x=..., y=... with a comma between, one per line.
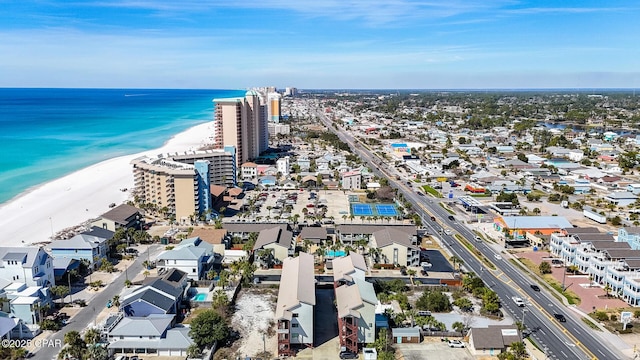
x=193, y=351
x=458, y=326
x=464, y=304
x=92, y=336
x=544, y=268
x=490, y=301
x=456, y=260
x=115, y=301
x=97, y=353
x=75, y=346
x=208, y=328
x=223, y=279
x=61, y=291
x=434, y=301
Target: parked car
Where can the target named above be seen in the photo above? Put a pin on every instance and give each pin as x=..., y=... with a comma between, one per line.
x=560, y=317
x=424, y=313
x=348, y=355
x=425, y=264
x=535, y=287
x=455, y=344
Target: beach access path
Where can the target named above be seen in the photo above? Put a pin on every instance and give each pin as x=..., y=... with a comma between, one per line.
x=34, y=216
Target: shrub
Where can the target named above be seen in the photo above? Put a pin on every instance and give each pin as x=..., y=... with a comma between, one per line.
x=636, y=314
x=601, y=316
x=544, y=267
x=614, y=317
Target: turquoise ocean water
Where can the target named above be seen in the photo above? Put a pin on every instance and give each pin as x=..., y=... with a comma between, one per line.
x=48, y=133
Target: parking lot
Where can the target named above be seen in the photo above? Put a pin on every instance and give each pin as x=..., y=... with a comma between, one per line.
x=432, y=349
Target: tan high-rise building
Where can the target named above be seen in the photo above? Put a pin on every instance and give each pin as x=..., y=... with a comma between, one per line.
x=241, y=122
x=274, y=107
x=180, y=182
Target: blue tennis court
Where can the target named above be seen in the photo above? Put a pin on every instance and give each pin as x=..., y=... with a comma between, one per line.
x=386, y=210
x=361, y=209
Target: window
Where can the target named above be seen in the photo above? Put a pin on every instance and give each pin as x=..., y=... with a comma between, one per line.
x=193, y=270
x=295, y=325
x=295, y=315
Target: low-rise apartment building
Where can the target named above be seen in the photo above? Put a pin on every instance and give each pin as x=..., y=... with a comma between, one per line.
x=606, y=261
x=356, y=302
x=295, y=306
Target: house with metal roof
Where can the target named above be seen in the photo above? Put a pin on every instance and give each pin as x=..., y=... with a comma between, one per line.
x=295, y=306
x=91, y=246
x=153, y=335
x=349, y=233
x=27, y=264
x=193, y=256
x=157, y=297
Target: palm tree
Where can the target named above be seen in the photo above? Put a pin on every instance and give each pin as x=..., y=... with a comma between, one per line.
x=115, y=301
x=223, y=279
x=456, y=260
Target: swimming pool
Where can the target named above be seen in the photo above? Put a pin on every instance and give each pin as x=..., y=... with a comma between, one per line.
x=336, y=253
x=199, y=297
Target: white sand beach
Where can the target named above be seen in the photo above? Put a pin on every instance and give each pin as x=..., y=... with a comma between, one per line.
x=33, y=216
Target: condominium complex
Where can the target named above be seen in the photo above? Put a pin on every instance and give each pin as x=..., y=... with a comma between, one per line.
x=274, y=107
x=606, y=261
x=181, y=182
x=241, y=122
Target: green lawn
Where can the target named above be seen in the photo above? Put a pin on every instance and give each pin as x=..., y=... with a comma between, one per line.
x=429, y=190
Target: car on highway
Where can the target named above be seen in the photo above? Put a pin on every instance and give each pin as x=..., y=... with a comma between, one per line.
x=450, y=217
x=518, y=301
x=433, y=218
x=497, y=256
x=535, y=287
x=478, y=239
x=560, y=317
x=448, y=232
x=455, y=344
x=348, y=355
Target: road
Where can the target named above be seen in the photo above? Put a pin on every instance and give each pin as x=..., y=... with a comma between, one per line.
x=568, y=340
x=86, y=316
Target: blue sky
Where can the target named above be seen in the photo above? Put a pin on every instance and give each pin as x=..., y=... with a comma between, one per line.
x=319, y=44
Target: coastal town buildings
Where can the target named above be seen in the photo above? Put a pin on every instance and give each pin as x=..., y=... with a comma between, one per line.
x=89, y=246
x=182, y=182
x=122, y=216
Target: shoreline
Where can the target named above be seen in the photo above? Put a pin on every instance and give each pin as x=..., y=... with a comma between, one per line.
x=35, y=214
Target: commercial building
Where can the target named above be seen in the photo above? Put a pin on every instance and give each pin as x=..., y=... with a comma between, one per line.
x=296, y=301
x=181, y=182
x=241, y=122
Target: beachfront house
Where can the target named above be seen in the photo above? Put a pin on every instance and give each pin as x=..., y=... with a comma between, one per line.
x=193, y=256
x=296, y=301
x=89, y=246
x=121, y=216
x=155, y=335
x=30, y=265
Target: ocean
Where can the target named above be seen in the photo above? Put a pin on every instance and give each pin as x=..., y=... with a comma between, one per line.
x=48, y=133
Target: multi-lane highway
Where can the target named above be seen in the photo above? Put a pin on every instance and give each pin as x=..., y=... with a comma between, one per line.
x=571, y=339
